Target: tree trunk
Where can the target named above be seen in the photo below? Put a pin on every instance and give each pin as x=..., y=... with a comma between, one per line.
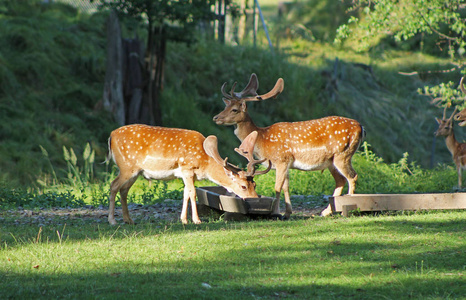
x=134, y=83
x=159, y=74
x=113, y=89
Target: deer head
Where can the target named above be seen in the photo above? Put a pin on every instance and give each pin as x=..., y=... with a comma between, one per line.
x=445, y=127
x=235, y=110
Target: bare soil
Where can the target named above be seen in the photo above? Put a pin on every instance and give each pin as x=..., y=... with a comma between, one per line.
x=168, y=211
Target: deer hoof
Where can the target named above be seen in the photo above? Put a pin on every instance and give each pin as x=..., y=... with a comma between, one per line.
x=277, y=217
x=326, y=212
x=129, y=222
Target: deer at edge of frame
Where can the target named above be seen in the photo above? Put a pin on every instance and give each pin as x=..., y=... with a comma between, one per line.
x=312, y=145
x=167, y=153
x=457, y=149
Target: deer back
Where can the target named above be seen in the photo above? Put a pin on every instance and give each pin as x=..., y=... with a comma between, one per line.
x=310, y=142
x=156, y=149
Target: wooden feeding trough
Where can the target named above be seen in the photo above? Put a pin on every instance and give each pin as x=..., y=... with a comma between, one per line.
x=217, y=197
x=387, y=202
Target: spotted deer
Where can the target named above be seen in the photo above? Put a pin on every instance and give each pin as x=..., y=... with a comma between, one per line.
x=167, y=153
x=312, y=145
x=457, y=149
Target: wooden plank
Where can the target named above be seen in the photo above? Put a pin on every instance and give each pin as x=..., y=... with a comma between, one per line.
x=345, y=209
x=381, y=202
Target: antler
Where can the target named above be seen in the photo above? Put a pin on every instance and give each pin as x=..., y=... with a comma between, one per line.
x=211, y=148
x=462, y=86
x=451, y=117
x=277, y=89
x=251, y=89
x=246, y=149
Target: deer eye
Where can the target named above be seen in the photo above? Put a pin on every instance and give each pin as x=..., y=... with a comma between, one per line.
x=243, y=187
x=234, y=110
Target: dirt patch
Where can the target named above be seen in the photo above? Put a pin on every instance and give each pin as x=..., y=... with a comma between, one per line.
x=168, y=211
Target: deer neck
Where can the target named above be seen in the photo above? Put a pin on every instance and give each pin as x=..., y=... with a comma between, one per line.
x=216, y=174
x=245, y=127
x=452, y=143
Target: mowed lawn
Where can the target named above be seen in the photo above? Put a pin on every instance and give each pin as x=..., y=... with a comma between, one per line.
x=400, y=256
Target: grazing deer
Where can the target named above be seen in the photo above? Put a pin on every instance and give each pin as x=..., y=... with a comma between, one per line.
x=461, y=116
x=308, y=145
x=457, y=149
x=166, y=153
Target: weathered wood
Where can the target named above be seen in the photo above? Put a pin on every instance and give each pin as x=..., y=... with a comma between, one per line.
x=217, y=197
x=345, y=209
x=384, y=202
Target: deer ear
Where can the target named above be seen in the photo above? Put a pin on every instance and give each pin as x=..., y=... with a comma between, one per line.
x=229, y=173
x=438, y=120
x=226, y=101
x=243, y=106
x=247, y=146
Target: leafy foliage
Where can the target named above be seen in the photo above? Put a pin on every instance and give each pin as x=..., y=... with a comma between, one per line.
x=50, y=81
x=18, y=198
x=405, y=19
x=440, y=25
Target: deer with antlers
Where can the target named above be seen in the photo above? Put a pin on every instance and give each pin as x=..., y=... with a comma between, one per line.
x=457, y=149
x=308, y=145
x=166, y=153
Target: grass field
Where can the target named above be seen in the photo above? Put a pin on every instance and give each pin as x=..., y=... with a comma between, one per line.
x=401, y=256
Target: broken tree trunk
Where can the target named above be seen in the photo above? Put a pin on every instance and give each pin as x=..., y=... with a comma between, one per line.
x=113, y=88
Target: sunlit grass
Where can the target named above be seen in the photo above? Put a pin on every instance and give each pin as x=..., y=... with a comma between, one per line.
x=415, y=255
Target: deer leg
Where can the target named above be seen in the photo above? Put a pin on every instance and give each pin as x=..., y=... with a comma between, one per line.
x=281, y=175
x=344, y=167
x=192, y=197
x=286, y=191
x=189, y=194
x=184, y=210
x=115, y=187
x=124, y=202
x=340, y=182
x=458, y=170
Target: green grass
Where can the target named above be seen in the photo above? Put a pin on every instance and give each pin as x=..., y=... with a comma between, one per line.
x=419, y=256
